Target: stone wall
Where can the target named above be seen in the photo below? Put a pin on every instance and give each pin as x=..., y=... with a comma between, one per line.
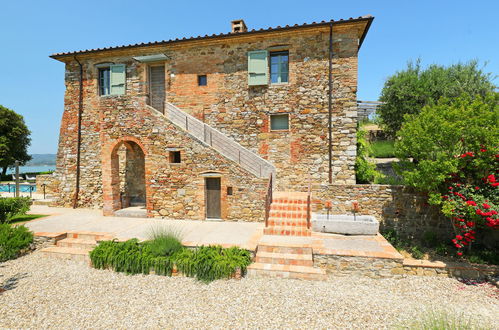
x=49, y=181
x=335, y=265
x=243, y=113
x=395, y=207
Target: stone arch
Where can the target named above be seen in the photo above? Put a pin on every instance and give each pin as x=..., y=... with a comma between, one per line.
x=124, y=175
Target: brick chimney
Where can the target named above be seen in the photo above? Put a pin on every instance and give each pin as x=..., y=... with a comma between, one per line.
x=239, y=26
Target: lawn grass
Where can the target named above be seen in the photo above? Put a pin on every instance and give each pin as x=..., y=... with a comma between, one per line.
x=26, y=218
x=383, y=149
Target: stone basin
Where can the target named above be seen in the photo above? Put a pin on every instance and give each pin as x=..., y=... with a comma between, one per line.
x=345, y=224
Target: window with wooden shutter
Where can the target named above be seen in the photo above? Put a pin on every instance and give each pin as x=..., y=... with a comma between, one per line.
x=117, y=79
x=258, y=68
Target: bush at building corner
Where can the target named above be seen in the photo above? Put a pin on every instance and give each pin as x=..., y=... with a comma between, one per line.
x=13, y=206
x=365, y=169
x=13, y=240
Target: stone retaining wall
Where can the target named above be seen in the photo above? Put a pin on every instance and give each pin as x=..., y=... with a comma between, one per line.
x=336, y=265
x=346, y=265
x=396, y=207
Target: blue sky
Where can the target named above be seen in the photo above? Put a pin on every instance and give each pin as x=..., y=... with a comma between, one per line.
x=32, y=84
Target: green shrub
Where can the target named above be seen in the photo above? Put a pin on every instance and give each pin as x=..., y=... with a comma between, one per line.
x=130, y=257
x=383, y=149
x=365, y=169
x=164, y=241
x=13, y=240
x=13, y=206
x=206, y=263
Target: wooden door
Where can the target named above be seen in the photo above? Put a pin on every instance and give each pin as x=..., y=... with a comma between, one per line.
x=157, y=87
x=213, y=194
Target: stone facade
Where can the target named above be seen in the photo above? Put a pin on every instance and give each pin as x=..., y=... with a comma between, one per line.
x=227, y=104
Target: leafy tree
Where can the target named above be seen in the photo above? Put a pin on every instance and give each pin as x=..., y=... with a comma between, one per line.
x=408, y=91
x=14, y=139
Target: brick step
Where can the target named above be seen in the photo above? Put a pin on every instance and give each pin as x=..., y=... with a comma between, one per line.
x=89, y=235
x=287, y=231
x=66, y=253
x=289, y=201
x=284, y=248
x=288, y=207
x=285, y=271
x=287, y=222
x=284, y=258
x=287, y=214
x=77, y=243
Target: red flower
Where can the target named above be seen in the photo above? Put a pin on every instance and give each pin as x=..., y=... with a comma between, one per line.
x=471, y=203
x=495, y=184
x=483, y=150
x=459, y=237
x=491, y=178
x=476, y=188
x=459, y=253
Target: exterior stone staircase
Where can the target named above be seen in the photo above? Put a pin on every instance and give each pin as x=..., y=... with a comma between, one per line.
x=218, y=141
x=285, y=260
x=288, y=215
x=74, y=246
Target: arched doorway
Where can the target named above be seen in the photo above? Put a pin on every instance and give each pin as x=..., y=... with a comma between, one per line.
x=125, y=186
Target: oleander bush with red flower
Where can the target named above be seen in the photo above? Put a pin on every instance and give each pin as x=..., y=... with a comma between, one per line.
x=450, y=151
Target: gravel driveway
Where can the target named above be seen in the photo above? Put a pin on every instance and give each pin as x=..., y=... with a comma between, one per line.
x=46, y=293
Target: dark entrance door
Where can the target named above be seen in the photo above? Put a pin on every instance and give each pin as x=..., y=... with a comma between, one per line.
x=213, y=198
x=157, y=87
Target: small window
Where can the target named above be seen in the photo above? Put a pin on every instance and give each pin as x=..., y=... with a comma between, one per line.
x=229, y=191
x=279, y=122
x=105, y=81
x=175, y=157
x=279, y=67
x=202, y=80
x=112, y=79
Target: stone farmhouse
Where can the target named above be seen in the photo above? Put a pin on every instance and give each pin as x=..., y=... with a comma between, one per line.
x=207, y=127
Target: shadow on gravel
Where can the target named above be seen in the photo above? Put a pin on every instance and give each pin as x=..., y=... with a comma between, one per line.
x=11, y=283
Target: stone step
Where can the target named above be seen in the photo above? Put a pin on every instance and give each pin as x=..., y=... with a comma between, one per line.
x=75, y=254
x=45, y=202
x=77, y=243
x=131, y=212
x=284, y=258
x=285, y=271
x=284, y=248
x=287, y=231
x=89, y=235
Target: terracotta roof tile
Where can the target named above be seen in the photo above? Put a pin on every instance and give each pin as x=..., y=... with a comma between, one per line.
x=277, y=28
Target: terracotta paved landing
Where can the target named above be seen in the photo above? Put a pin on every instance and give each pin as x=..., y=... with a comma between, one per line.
x=356, y=246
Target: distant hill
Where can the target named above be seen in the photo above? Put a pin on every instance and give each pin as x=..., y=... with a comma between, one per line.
x=42, y=159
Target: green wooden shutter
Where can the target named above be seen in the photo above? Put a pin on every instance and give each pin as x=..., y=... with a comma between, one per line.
x=118, y=78
x=258, y=68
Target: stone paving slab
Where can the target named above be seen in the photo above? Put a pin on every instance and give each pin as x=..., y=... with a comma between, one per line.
x=194, y=232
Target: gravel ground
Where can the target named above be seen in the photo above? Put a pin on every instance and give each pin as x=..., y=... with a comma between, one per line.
x=47, y=293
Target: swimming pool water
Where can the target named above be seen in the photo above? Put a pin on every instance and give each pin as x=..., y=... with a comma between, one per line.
x=22, y=187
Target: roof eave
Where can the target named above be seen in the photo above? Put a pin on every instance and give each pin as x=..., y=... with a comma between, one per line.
x=368, y=18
